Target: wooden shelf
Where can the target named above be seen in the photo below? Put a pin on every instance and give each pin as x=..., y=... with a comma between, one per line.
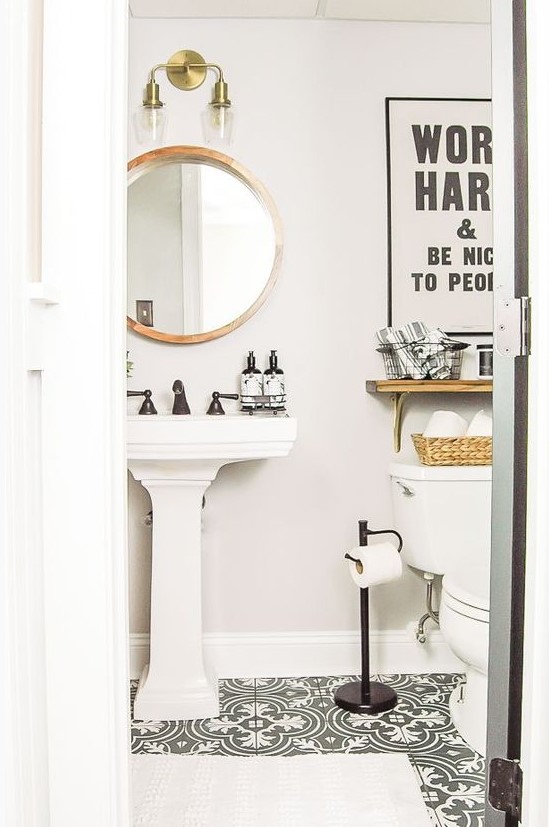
x=429, y=386
x=400, y=388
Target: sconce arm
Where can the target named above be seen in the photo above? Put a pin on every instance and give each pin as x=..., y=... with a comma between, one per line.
x=214, y=66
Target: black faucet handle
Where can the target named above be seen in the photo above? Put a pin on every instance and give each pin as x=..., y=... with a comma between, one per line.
x=147, y=408
x=216, y=408
x=180, y=404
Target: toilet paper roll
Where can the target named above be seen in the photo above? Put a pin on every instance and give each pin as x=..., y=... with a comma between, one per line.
x=480, y=425
x=376, y=564
x=446, y=423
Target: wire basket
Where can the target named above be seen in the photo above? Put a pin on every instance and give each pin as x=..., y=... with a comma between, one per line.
x=401, y=362
x=460, y=450
x=266, y=403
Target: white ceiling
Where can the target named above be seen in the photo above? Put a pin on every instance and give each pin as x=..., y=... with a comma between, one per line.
x=434, y=11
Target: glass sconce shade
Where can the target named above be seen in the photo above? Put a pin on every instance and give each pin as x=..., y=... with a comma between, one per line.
x=150, y=124
x=217, y=125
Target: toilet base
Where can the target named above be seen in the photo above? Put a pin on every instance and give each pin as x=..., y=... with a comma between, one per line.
x=379, y=699
x=468, y=709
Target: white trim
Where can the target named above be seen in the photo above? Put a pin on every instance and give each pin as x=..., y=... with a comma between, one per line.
x=396, y=11
x=294, y=654
x=24, y=742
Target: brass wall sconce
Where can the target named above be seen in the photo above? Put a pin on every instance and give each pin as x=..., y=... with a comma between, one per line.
x=186, y=70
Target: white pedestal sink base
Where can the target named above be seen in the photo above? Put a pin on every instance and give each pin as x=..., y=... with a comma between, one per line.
x=176, y=458
x=184, y=703
x=178, y=685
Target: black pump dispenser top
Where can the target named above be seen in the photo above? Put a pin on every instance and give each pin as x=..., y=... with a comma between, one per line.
x=251, y=368
x=273, y=362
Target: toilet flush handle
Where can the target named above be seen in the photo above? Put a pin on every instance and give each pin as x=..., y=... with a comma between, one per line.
x=407, y=492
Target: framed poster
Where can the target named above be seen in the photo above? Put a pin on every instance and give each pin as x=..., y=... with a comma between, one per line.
x=439, y=197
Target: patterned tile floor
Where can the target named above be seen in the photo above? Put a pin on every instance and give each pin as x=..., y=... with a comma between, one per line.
x=275, y=716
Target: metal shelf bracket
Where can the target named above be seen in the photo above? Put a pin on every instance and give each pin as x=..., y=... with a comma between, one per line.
x=398, y=407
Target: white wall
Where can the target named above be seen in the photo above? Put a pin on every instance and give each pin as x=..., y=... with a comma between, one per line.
x=309, y=96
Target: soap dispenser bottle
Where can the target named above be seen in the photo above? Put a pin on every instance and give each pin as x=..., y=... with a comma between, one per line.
x=251, y=385
x=273, y=384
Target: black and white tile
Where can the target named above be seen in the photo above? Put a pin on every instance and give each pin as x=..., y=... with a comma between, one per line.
x=292, y=716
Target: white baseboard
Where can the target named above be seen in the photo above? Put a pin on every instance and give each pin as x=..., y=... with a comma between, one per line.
x=294, y=654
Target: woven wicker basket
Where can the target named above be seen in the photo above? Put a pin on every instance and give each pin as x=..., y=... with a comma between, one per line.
x=462, y=450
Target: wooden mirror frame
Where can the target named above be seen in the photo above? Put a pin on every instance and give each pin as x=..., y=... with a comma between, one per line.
x=201, y=155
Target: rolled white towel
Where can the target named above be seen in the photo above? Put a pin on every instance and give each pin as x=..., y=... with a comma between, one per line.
x=480, y=425
x=445, y=423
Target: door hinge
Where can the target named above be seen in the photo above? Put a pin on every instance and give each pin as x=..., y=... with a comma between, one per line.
x=505, y=786
x=512, y=327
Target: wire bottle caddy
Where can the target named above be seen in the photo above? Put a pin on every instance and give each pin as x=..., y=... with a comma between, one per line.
x=263, y=393
x=266, y=404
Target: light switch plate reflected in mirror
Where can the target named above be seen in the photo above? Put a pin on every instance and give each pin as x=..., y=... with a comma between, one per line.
x=144, y=312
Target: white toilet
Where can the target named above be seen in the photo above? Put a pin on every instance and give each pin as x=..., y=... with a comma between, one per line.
x=443, y=514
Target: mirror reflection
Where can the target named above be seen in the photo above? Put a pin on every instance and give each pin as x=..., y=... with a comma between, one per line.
x=203, y=245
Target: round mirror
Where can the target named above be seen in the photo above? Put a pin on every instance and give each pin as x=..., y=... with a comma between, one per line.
x=204, y=244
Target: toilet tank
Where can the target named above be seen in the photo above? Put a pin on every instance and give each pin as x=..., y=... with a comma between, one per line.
x=443, y=514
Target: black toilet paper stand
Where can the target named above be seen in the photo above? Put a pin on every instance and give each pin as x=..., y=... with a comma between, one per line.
x=366, y=697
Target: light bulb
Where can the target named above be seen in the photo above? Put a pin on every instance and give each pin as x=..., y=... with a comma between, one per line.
x=150, y=124
x=217, y=124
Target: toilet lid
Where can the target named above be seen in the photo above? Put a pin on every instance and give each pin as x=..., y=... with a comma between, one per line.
x=470, y=585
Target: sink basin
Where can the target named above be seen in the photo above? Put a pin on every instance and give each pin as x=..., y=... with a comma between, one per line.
x=231, y=437
x=176, y=458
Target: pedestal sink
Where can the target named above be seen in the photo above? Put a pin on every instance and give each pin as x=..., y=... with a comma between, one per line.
x=176, y=458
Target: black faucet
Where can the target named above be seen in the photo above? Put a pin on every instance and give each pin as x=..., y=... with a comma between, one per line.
x=180, y=404
x=147, y=408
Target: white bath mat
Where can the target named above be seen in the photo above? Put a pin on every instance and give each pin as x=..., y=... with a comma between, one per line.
x=271, y=791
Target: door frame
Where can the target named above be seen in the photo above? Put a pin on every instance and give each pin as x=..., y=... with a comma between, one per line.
x=519, y=661
x=535, y=710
